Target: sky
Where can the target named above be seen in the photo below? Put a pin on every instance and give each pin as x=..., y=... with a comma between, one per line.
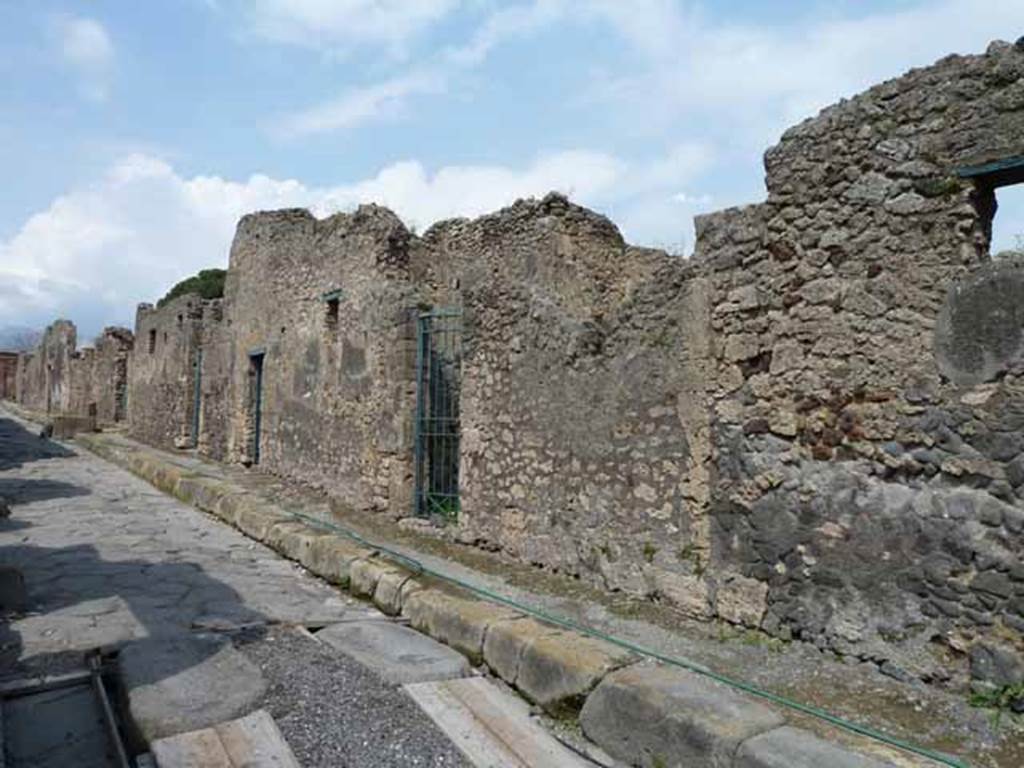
x=133, y=135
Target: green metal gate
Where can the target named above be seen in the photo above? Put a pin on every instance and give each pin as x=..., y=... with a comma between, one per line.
x=438, y=378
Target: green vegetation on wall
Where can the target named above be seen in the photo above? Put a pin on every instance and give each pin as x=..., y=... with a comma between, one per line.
x=207, y=284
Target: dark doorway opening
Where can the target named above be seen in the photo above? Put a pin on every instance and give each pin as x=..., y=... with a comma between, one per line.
x=255, y=405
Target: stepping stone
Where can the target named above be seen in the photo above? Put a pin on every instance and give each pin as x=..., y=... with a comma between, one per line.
x=253, y=741
x=186, y=682
x=491, y=727
x=398, y=654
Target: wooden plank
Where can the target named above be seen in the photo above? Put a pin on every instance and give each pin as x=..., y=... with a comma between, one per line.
x=254, y=741
x=191, y=750
x=492, y=728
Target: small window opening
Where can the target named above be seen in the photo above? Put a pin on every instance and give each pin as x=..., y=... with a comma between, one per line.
x=152, y=340
x=999, y=188
x=331, y=319
x=181, y=319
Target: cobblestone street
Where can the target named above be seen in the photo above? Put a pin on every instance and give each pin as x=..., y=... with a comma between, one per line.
x=108, y=560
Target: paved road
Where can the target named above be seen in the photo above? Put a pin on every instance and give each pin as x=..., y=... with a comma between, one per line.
x=107, y=559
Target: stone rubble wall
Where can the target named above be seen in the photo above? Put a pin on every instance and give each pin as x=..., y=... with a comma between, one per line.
x=814, y=427
x=43, y=373
x=865, y=496
x=337, y=399
x=162, y=373
x=8, y=375
x=59, y=378
x=580, y=403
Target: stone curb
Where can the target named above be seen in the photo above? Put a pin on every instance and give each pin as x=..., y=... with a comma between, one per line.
x=646, y=715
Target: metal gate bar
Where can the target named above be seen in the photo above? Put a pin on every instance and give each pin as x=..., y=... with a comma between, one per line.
x=438, y=372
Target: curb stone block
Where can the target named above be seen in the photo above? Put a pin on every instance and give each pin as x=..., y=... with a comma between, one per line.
x=558, y=671
x=199, y=492
x=460, y=623
x=256, y=520
x=670, y=718
x=506, y=642
x=789, y=747
x=366, y=573
x=393, y=588
x=331, y=557
x=282, y=535
x=296, y=544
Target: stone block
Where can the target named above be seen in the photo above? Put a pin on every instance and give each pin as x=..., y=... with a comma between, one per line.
x=200, y=492
x=284, y=535
x=398, y=654
x=742, y=600
x=458, y=622
x=256, y=520
x=789, y=747
x=658, y=716
x=507, y=640
x=186, y=682
x=331, y=557
x=296, y=543
x=558, y=671
x=365, y=574
x=393, y=588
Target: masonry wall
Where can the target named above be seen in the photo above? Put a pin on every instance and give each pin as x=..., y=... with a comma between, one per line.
x=162, y=374
x=580, y=408
x=8, y=375
x=815, y=427
x=43, y=374
x=337, y=399
x=58, y=378
x=863, y=497
x=98, y=377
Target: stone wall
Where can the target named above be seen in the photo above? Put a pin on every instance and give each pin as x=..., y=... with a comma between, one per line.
x=327, y=304
x=162, y=393
x=814, y=427
x=98, y=377
x=58, y=378
x=43, y=374
x=582, y=383
x=8, y=375
x=861, y=493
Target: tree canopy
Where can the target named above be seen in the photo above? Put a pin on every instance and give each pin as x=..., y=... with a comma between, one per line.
x=207, y=284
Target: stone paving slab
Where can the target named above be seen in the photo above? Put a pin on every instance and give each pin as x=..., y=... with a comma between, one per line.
x=186, y=682
x=398, y=654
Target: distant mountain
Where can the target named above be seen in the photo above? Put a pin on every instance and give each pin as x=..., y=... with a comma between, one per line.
x=19, y=338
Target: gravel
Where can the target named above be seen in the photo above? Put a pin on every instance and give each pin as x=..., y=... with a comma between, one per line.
x=334, y=712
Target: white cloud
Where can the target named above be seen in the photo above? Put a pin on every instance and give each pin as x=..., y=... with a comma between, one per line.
x=752, y=82
x=382, y=100
x=85, y=46
x=99, y=249
x=340, y=25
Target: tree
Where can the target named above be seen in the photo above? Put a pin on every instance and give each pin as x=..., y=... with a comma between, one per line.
x=207, y=284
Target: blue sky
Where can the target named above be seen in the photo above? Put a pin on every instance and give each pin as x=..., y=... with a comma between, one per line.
x=133, y=135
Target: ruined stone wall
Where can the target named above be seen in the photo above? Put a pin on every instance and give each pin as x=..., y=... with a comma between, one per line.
x=58, y=378
x=8, y=375
x=862, y=499
x=582, y=384
x=336, y=401
x=99, y=377
x=162, y=374
x=44, y=374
